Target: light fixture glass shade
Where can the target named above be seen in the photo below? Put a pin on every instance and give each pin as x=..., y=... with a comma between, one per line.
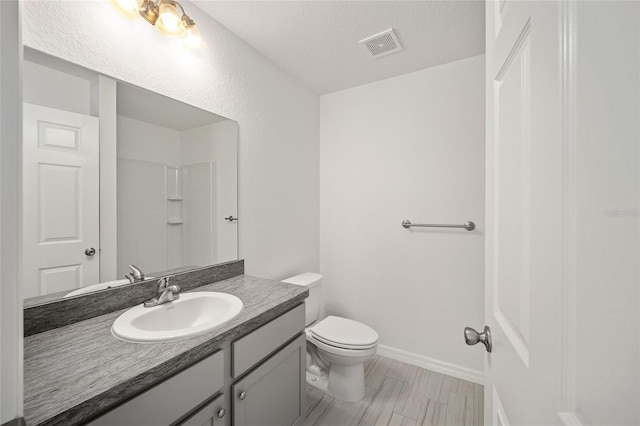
x=130, y=7
x=169, y=21
x=192, y=38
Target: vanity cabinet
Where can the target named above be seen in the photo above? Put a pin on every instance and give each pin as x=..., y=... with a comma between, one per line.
x=264, y=373
x=273, y=394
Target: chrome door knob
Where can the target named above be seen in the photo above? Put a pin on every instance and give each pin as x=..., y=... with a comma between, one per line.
x=90, y=251
x=242, y=395
x=472, y=337
x=221, y=413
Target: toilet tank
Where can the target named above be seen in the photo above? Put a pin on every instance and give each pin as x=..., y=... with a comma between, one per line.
x=312, y=281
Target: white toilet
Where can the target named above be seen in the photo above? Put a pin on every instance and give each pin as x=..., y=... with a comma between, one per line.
x=337, y=347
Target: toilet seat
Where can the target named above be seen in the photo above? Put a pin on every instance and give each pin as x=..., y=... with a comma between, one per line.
x=344, y=352
x=344, y=333
x=342, y=345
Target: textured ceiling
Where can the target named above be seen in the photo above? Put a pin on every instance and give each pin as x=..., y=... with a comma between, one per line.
x=317, y=41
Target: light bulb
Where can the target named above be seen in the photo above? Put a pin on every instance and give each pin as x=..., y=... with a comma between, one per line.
x=192, y=38
x=169, y=21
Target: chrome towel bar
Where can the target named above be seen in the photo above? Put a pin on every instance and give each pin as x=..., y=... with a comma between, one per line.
x=469, y=226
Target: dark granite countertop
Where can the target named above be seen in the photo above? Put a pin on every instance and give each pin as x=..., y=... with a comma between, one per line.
x=74, y=372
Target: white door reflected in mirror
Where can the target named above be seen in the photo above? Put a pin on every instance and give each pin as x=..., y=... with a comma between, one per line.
x=117, y=175
x=60, y=204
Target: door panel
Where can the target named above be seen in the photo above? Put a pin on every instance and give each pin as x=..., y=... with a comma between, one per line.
x=60, y=200
x=563, y=228
x=524, y=211
x=58, y=136
x=512, y=196
x=56, y=279
x=59, y=203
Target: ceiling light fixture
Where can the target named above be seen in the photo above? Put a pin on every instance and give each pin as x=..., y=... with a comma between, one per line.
x=129, y=7
x=169, y=20
x=165, y=16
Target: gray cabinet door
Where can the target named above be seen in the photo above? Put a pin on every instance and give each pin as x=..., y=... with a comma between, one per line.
x=211, y=414
x=273, y=394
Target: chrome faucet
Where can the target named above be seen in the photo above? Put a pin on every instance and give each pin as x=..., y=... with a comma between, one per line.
x=165, y=293
x=136, y=275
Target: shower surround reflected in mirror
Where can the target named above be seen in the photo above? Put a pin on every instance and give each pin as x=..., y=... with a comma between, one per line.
x=142, y=180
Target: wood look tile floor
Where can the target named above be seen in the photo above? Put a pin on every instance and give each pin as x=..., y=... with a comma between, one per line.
x=400, y=394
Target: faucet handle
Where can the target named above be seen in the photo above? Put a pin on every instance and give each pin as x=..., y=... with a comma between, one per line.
x=163, y=283
x=164, y=293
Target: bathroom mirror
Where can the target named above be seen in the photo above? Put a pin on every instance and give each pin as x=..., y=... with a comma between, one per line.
x=116, y=175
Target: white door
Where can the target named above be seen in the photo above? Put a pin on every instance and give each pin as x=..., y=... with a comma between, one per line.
x=563, y=234
x=60, y=236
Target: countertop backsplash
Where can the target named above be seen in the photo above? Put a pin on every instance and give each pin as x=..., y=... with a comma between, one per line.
x=41, y=317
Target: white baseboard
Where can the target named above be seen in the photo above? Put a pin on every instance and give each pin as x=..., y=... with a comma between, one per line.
x=449, y=369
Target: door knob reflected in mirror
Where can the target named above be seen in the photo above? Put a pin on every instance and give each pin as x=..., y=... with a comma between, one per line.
x=472, y=337
x=90, y=251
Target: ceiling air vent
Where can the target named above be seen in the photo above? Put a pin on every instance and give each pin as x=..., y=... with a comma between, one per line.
x=382, y=44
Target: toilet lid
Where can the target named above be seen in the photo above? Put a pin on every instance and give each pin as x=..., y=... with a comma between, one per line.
x=338, y=331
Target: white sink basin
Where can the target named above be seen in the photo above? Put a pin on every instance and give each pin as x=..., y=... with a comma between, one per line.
x=192, y=314
x=101, y=286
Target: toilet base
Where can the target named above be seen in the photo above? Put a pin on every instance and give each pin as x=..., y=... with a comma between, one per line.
x=346, y=382
x=318, y=382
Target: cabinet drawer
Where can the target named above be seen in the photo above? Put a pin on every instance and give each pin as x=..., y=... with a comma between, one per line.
x=171, y=399
x=211, y=414
x=257, y=345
